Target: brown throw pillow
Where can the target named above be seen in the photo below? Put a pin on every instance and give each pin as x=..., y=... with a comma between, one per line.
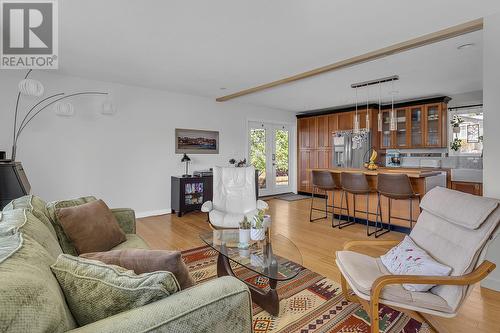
x=147, y=261
x=91, y=227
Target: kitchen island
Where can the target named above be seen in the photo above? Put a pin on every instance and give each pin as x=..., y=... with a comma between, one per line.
x=422, y=180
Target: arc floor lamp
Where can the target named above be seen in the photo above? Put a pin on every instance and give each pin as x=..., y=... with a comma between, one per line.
x=31, y=87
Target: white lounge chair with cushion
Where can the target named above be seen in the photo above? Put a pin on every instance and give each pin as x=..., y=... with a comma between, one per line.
x=234, y=197
x=454, y=228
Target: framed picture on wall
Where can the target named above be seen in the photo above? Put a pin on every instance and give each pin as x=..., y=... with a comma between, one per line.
x=192, y=141
x=473, y=133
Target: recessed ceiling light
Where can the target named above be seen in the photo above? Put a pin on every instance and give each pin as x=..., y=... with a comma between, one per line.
x=465, y=46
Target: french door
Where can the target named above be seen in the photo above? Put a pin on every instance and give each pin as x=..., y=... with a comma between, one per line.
x=269, y=152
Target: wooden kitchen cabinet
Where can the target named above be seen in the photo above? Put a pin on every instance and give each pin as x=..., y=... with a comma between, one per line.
x=323, y=158
x=416, y=126
x=401, y=136
x=307, y=160
x=435, y=125
x=345, y=121
x=323, y=132
x=307, y=132
x=472, y=188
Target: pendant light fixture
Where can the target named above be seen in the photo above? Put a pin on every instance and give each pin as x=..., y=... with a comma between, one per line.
x=367, y=119
x=368, y=114
x=393, y=119
x=356, y=116
x=379, y=116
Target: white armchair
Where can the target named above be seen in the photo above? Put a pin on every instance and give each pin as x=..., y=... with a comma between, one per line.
x=234, y=196
x=455, y=229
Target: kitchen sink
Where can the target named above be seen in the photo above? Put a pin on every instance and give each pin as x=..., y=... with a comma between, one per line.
x=467, y=175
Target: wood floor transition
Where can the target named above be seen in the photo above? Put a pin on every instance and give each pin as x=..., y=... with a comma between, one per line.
x=317, y=242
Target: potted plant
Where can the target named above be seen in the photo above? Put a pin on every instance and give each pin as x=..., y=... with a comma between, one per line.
x=456, y=144
x=455, y=122
x=258, y=227
x=245, y=227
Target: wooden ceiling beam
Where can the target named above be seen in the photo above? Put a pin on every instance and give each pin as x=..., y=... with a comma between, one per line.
x=431, y=38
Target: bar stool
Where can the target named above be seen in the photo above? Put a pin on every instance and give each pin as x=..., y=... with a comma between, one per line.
x=394, y=187
x=323, y=180
x=356, y=184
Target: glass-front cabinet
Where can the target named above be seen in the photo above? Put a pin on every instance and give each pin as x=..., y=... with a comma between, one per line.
x=402, y=137
x=433, y=131
x=417, y=131
x=386, y=134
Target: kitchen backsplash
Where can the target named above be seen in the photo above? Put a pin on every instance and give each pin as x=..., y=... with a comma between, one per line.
x=421, y=158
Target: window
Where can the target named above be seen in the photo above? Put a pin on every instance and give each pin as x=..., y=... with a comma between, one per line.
x=466, y=131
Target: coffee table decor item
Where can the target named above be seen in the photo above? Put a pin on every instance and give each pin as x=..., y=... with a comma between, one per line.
x=261, y=258
x=244, y=233
x=258, y=227
x=309, y=302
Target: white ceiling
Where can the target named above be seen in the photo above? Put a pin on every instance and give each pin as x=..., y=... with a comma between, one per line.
x=199, y=46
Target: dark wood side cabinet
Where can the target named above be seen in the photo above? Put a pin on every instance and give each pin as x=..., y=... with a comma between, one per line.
x=13, y=182
x=472, y=188
x=188, y=194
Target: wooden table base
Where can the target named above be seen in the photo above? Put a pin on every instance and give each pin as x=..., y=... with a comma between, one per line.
x=268, y=301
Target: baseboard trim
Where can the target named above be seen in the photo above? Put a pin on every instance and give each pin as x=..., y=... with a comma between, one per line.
x=491, y=283
x=153, y=213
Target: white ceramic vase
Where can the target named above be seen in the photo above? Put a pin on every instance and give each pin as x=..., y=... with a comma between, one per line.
x=244, y=238
x=258, y=234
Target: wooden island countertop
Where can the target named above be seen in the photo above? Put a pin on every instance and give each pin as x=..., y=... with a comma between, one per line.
x=411, y=172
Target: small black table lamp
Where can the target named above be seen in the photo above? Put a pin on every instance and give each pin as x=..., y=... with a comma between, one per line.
x=186, y=159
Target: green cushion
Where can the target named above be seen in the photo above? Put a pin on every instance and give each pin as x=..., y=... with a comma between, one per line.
x=31, y=299
x=96, y=291
x=64, y=241
x=36, y=205
x=133, y=241
x=23, y=220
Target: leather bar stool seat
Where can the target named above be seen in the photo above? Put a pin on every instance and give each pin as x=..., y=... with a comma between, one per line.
x=355, y=184
x=323, y=181
x=394, y=187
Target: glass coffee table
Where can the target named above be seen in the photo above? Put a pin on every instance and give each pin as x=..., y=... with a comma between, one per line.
x=261, y=258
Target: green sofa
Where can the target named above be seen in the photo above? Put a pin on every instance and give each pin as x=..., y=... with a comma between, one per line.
x=31, y=300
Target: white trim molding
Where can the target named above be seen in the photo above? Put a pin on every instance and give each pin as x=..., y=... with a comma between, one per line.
x=149, y=213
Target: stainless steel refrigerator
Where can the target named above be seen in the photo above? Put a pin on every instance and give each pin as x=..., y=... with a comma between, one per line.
x=350, y=150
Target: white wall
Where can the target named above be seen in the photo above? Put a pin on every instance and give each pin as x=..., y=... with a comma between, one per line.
x=491, y=160
x=126, y=159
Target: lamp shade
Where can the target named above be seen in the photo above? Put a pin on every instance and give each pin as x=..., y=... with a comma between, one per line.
x=30, y=87
x=108, y=108
x=185, y=158
x=64, y=109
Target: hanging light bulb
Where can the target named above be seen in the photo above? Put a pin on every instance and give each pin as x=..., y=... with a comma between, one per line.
x=356, y=116
x=393, y=121
x=367, y=119
x=379, y=116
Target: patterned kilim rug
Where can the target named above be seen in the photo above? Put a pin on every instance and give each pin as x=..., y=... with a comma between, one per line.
x=308, y=303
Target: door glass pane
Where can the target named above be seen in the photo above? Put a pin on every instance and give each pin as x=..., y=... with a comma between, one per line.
x=416, y=127
x=433, y=126
x=401, y=128
x=281, y=157
x=258, y=153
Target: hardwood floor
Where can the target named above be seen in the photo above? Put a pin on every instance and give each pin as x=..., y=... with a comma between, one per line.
x=317, y=243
